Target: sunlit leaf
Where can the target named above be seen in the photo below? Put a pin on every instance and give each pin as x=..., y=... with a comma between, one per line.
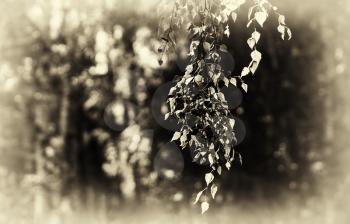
x=232, y=122
x=213, y=190
x=199, y=194
x=176, y=136
x=206, y=46
x=256, y=36
x=228, y=165
x=281, y=30
x=209, y=177
x=189, y=80
x=256, y=56
x=233, y=81
x=244, y=87
x=166, y=116
x=198, y=79
x=250, y=22
x=253, y=66
x=219, y=170
x=261, y=18
x=204, y=206
x=211, y=160
x=251, y=43
x=227, y=31
x=245, y=71
x=282, y=20
x=289, y=32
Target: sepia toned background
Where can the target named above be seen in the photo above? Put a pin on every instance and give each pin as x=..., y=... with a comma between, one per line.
x=82, y=139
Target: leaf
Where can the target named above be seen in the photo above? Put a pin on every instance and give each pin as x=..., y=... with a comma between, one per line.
x=166, y=116
x=282, y=19
x=211, y=160
x=227, y=31
x=261, y=17
x=183, y=139
x=209, y=177
x=244, y=87
x=198, y=79
x=176, y=136
x=219, y=170
x=232, y=122
x=189, y=68
x=189, y=80
x=204, y=207
x=206, y=46
x=289, y=33
x=172, y=90
x=213, y=190
x=245, y=72
x=227, y=82
x=253, y=66
x=228, y=165
x=233, y=81
x=281, y=30
x=199, y=194
x=196, y=157
x=256, y=36
x=251, y=43
x=221, y=97
x=256, y=56
x=250, y=23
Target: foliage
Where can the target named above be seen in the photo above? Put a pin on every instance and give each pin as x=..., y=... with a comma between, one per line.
x=197, y=99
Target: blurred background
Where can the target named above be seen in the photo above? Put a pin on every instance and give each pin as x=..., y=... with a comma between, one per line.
x=82, y=137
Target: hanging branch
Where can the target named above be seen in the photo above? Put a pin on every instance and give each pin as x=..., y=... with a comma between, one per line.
x=197, y=100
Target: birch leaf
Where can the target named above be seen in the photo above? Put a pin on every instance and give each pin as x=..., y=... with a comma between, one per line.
x=289, y=33
x=219, y=170
x=209, y=177
x=228, y=165
x=211, y=160
x=251, y=43
x=282, y=20
x=204, y=207
x=206, y=46
x=244, y=87
x=233, y=81
x=166, y=116
x=232, y=123
x=189, y=80
x=253, y=66
x=199, y=194
x=256, y=35
x=245, y=71
x=176, y=136
x=256, y=56
x=261, y=18
x=213, y=190
x=281, y=30
x=227, y=31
